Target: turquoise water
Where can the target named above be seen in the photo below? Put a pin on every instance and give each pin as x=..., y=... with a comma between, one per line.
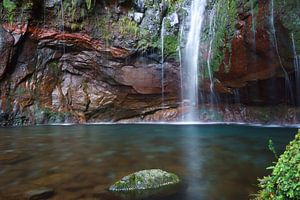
x=81, y=162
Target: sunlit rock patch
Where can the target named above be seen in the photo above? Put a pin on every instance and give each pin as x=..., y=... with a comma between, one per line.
x=145, y=179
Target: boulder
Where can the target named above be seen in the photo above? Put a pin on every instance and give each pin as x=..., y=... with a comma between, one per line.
x=41, y=193
x=145, y=179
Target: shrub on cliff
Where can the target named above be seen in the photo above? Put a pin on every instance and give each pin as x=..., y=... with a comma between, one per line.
x=284, y=182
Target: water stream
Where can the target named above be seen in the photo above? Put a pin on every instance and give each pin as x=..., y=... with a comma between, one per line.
x=162, y=35
x=286, y=76
x=253, y=24
x=62, y=28
x=191, y=59
x=212, y=32
x=236, y=95
x=180, y=60
x=297, y=70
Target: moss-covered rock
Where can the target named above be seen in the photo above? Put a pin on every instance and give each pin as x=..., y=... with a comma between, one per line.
x=146, y=179
x=284, y=182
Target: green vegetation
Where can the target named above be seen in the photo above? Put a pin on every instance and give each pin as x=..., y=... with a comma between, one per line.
x=104, y=28
x=128, y=27
x=272, y=148
x=173, y=5
x=88, y=4
x=54, y=68
x=288, y=11
x=284, y=182
x=53, y=116
x=10, y=7
x=225, y=21
x=75, y=13
x=171, y=45
x=148, y=42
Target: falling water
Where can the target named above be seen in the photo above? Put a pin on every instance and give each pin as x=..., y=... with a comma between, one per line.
x=253, y=24
x=297, y=70
x=236, y=95
x=286, y=76
x=162, y=35
x=62, y=28
x=1, y=43
x=44, y=14
x=180, y=60
x=191, y=58
x=62, y=17
x=212, y=26
x=140, y=3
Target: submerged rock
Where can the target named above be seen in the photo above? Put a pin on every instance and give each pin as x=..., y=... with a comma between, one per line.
x=144, y=180
x=41, y=193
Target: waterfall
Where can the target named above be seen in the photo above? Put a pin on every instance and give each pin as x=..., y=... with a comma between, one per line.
x=180, y=60
x=286, y=76
x=62, y=28
x=212, y=31
x=162, y=35
x=62, y=17
x=236, y=95
x=44, y=13
x=191, y=59
x=297, y=71
x=253, y=25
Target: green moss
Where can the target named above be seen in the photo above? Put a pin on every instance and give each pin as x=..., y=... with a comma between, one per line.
x=174, y=5
x=54, y=68
x=75, y=14
x=146, y=179
x=219, y=31
x=104, y=28
x=224, y=25
x=128, y=27
x=148, y=41
x=288, y=12
x=171, y=45
x=76, y=27
x=54, y=116
x=10, y=7
x=88, y=4
x=284, y=182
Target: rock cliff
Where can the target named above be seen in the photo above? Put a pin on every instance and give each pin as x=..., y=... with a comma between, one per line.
x=100, y=61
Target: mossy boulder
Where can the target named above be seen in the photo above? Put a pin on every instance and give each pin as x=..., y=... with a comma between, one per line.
x=144, y=180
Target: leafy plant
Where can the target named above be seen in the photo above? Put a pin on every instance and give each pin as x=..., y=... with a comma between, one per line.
x=88, y=4
x=103, y=26
x=284, y=182
x=173, y=5
x=171, y=45
x=128, y=27
x=272, y=148
x=9, y=6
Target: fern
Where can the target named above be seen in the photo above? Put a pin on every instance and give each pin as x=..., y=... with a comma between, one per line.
x=88, y=4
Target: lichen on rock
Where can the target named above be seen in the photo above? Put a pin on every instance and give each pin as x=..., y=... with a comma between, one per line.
x=145, y=179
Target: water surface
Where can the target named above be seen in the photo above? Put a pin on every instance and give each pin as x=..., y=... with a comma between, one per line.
x=81, y=162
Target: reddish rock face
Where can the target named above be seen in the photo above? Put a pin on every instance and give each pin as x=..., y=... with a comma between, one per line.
x=48, y=75
x=81, y=41
x=62, y=73
x=6, y=51
x=256, y=57
x=253, y=55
